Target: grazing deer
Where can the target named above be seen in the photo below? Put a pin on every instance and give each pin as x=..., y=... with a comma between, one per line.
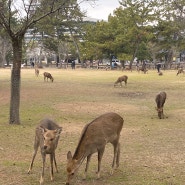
x=121, y=79
x=180, y=70
x=95, y=135
x=46, y=136
x=144, y=70
x=36, y=72
x=160, y=100
x=48, y=75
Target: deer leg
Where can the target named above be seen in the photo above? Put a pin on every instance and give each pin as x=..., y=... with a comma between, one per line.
x=43, y=166
x=118, y=156
x=162, y=115
x=55, y=162
x=51, y=169
x=87, y=165
x=36, y=146
x=100, y=155
x=116, y=148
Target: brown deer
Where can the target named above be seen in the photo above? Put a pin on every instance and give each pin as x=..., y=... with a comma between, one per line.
x=160, y=100
x=144, y=70
x=48, y=75
x=46, y=136
x=95, y=135
x=180, y=70
x=121, y=79
x=160, y=73
x=36, y=72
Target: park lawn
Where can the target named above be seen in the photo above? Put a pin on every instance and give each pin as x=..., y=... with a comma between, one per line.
x=152, y=150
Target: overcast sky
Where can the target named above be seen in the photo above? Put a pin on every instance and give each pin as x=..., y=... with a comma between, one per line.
x=101, y=9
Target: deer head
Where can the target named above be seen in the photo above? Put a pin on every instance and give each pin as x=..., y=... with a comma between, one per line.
x=72, y=167
x=50, y=139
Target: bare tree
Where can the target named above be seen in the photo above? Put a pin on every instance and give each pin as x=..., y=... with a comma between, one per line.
x=16, y=17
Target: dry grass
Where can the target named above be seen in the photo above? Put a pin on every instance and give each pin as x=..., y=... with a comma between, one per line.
x=153, y=150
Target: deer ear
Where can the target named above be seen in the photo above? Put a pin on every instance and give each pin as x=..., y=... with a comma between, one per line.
x=69, y=155
x=58, y=130
x=42, y=129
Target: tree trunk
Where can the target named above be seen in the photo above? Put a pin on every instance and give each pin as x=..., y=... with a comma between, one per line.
x=15, y=81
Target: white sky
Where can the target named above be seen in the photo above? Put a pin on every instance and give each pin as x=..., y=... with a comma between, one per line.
x=100, y=9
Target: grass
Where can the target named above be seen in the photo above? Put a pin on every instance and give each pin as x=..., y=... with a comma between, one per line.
x=152, y=150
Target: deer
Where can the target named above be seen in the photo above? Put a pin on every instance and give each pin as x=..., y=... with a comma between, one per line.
x=160, y=73
x=36, y=72
x=121, y=79
x=180, y=70
x=144, y=70
x=48, y=75
x=47, y=135
x=160, y=100
x=94, y=137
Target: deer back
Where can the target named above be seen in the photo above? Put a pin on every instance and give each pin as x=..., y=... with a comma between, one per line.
x=160, y=99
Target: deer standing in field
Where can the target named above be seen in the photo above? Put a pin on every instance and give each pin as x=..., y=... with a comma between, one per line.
x=95, y=135
x=36, y=72
x=46, y=136
x=48, y=75
x=121, y=79
x=160, y=100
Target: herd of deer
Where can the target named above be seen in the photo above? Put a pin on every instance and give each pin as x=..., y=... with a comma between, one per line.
x=94, y=137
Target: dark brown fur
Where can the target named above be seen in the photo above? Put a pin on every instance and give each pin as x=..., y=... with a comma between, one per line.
x=48, y=75
x=121, y=79
x=160, y=73
x=160, y=100
x=180, y=70
x=46, y=136
x=144, y=70
x=95, y=135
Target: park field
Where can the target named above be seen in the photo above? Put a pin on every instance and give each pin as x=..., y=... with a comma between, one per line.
x=152, y=150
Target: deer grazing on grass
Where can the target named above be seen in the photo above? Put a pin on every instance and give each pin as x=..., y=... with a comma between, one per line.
x=180, y=70
x=144, y=70
x=121, y=79
x=95, y=135
x=160, y=100
x=48, y=75
x=46, y=136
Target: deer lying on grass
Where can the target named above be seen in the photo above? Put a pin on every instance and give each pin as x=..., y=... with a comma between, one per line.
x=48, y=75
x=180, y=70
x=160, y=100
x=95, y=135
x=46, y=136
x=160, y=73
x=121, y=79
x=36, y=72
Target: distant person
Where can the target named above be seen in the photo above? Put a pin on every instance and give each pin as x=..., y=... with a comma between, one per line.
x=32, y=64
x=73, y=64
x=158, y=67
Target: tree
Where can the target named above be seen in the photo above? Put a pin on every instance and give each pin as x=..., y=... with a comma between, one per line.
x=169, y=30
x=98, y=41
x=16, y=18
x=126, y=34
